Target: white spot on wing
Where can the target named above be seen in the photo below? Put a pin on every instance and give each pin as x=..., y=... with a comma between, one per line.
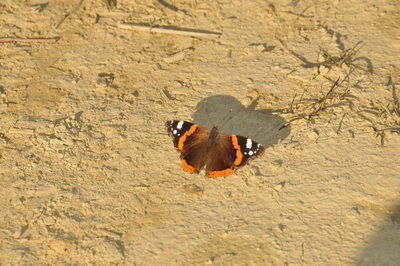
x=179, y=125
x=249, y=143
x=250, y=153
x=174, y=132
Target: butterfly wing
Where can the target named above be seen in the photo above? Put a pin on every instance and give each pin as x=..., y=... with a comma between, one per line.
x=248, y=148
x=229, y=153
x=191, y=141
x=221, y=158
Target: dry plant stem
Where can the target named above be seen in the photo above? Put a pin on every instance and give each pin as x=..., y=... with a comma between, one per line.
x=326, y=97
x=291, y=104
x=173, y=31
x=178, y=56
x=321, y=105
x=17, y=131
x=29, y=40
x=396, y=103
x=69, y=13
x=339, y=129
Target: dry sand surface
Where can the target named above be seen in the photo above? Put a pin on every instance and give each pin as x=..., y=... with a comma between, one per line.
x=89, y=175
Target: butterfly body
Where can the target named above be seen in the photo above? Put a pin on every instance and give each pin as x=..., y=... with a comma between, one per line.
x=219, y=153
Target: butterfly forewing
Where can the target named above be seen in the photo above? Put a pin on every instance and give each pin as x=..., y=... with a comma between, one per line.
x=176, y=129
x=191, y=141
x=249, y=148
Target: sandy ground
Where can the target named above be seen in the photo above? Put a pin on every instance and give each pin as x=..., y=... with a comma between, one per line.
x=89, y=175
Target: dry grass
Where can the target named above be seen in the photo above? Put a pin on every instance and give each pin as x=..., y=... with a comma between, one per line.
x=309, y=107
x=382, y=116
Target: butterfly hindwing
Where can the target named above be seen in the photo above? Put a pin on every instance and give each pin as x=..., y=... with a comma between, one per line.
x=191, y=141
x=221, y=158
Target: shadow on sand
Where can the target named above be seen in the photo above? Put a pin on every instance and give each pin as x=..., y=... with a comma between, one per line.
x=234, y=118
x=384, y=246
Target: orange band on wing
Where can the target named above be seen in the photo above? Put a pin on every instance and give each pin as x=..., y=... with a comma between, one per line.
x=239, y=155
x=184, y=136
x=215, y=174
x=187, y=167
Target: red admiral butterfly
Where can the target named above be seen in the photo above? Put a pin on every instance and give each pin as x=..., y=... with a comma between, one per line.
x=221, y=154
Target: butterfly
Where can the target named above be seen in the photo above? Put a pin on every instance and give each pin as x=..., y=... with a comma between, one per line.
x=220, y=154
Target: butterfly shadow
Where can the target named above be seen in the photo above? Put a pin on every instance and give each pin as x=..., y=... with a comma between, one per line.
x=233, y=118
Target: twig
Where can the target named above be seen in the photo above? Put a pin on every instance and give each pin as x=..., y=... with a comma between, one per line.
x=171, y=6
x=392, y=129
x=323, y=101
x=28, y=40
x=379, y=133
x=69, y=13
x=178, y=56
x=19, y=131
x=339, y=129
x=170, y=30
